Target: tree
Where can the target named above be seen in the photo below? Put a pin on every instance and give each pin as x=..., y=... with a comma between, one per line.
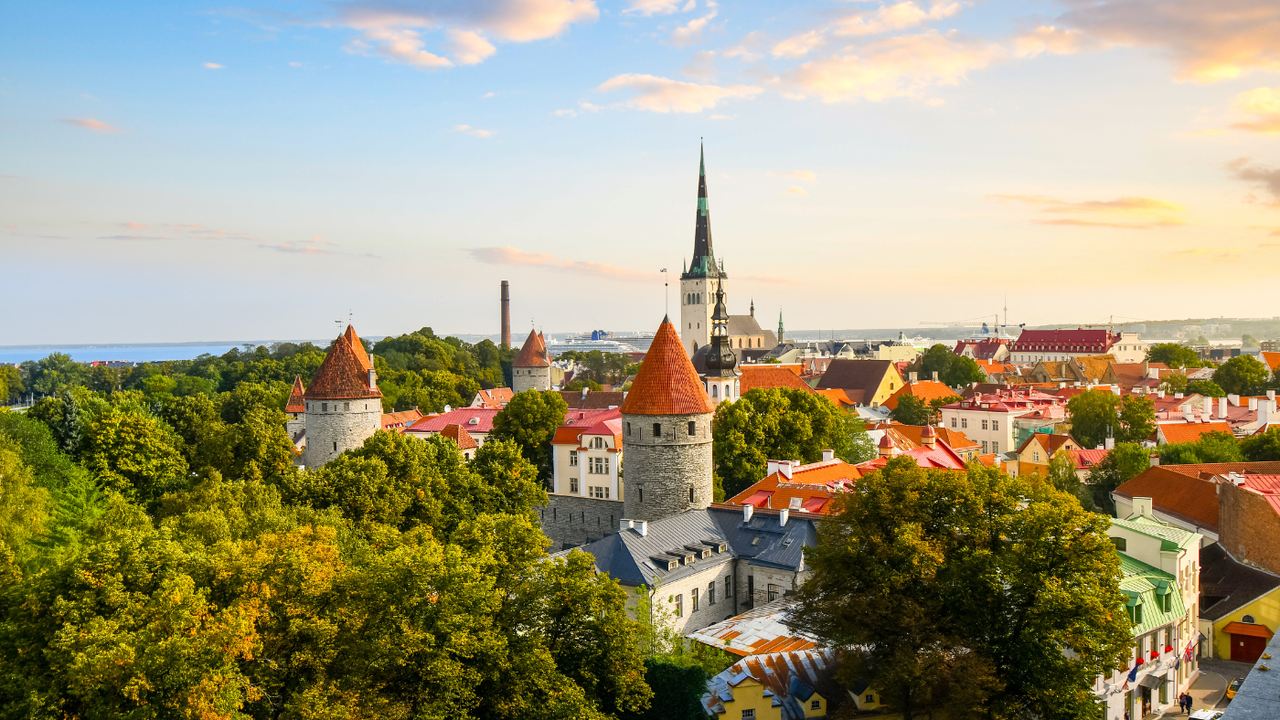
x=1174, y=383
x=11, y=385
x=780, y=424
x=1174, y=355
x=1206, y=388
x=1249, y=341
x=134, y=454
x=1242, y=375
x=975, y=593
x=1094, y=417
x=1137, y=420
x=530, y=420
x=1062, y=477
x=578, y=385
x=1263, y=446
x=911, y=410
x=1115, y=468
x=953, y=370
x=1213, y=447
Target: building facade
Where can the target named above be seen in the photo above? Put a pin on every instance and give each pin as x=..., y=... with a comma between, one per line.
x=531, y=369
x=343, y=405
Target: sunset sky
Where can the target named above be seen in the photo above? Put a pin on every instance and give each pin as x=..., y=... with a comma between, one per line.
x=178, y=171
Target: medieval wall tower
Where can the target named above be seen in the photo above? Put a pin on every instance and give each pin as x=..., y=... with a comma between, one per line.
x=531, y=370
x=343, y=403
x=703, y=277
x=666, y=434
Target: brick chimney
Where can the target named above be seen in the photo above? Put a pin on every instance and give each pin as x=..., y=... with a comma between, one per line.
x=506, y=314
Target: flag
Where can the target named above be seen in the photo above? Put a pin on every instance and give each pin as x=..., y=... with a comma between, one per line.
x=1132, y=674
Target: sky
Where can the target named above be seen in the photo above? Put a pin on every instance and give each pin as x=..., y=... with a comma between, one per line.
x=181, y=171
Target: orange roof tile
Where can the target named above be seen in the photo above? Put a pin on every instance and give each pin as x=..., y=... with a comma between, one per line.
x=533, y=353
x=838, y=397
x=954, y=438
x=460, y=436
x=296, y=403
x=815, y=484
x=926, y=390
x=358, y=347
x=1190, y=432
x=343, y=375
x=400, y=419
x=1173, y=492
x=1051, y=443
x=667, y=384
x=768, y=377
x=1272, y=359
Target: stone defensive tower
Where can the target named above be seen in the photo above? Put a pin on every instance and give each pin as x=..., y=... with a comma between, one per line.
x=703, y=278
x=296, y=409
x=666, y=434
x=531, y=370
x=343, y=403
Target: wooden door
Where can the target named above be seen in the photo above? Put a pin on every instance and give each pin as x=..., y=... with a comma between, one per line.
x=1247, y=648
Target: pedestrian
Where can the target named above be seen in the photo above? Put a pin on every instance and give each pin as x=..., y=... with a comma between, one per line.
x=1126, y=715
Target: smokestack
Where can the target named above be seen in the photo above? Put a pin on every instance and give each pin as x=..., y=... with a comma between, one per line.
x=506, y=314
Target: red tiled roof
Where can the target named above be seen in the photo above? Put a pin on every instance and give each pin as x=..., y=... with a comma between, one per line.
x=982, y=349
x=462, y=416
x=578, y=422
x=533, y=353
x=1086, y=459
x=926, y=390
x=460, y=436
x=1095, y=341
x=495, y=398
x=1171, y=491
x=296, y=402
x=593, y=400
x=939, y=457
x=767, y=377
x=1272, y=359
x=841, y=397
x=344, y=374
x=913, y=434
x=667, y=384
x=1239, y=628
x=1050, y=442
x=400, y=419
x=1190, y=432
x=815, y=484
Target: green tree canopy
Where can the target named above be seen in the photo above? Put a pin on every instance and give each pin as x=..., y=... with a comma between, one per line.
x=911, y=410
x=965, y=592
x=953, y=370
x=1117, y=467
x=1214, y=447
x=1242, y=375
x=1098, y=414
x=1206, y=388
x=1263, y=446
x=1174, y=355
x=530, y=420
x=780, y=424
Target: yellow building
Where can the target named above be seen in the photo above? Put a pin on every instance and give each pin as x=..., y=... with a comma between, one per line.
x=1036, y=452
x=1241, y=607
x=865, y=382
x=794, y=685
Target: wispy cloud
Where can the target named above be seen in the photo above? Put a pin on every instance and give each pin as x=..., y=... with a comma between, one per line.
x=196, y=233
x=91, y=124
x=468, y=47
x=1130, y=213
x=795, y=190
x=213, y=66
x=891, y=18
x=691, y=32
x=472, y=131
x=1264, y=104
x=652, y=7
x=1263, y=177
x=701, y=66
x=798, y=45
x=1047, y=39
x=512, y=256
x=664, y=95
x=1211, y=253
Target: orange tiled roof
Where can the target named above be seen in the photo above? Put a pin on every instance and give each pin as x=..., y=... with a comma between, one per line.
x=1173, y=492
x=957, y=440
x=296, y=403
x=533, y=353
x=1272, y=359
x=1050, y=442
x=1190, y=432
x=990, y=459
x=839, y=397
x=815, y=484
x=343, y=375
x=667, y=384
x=768, y=377
x=926, y=390
x=496, y=398
x=460, y=436
x=400, y=419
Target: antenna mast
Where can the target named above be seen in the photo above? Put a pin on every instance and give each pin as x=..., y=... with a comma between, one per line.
x=666, y=291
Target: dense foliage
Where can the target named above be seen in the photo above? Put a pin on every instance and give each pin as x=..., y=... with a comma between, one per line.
x=1117, y=467
x=600, y=367
x=911, y=410
x=1214, y=447
x=961, y=592
x=529, y=421
x=1242, y=375
x=1174, y=355
x=953, y=370
x=780, y=424
x=1099, y=414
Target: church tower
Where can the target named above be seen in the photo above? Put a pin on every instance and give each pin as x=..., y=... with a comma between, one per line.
x=343, y=403
x=666, y=434
x=702, y=278
x=531, y=370
x=721, y=377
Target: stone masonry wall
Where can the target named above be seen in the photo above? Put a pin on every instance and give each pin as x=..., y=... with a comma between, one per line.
x=349, y=428
x=1249, y=527
x=535, y=378
x=571, y=521
x=660, y=471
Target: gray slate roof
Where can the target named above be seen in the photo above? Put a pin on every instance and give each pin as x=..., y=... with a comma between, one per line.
x=1227, y=585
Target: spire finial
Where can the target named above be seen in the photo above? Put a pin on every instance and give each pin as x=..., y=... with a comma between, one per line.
x=702, y=162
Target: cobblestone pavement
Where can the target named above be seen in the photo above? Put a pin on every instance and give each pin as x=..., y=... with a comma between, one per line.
x=1206, y=692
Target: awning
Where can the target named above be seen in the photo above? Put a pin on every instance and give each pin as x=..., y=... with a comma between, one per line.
x=1239, y=628
x=1151, y=681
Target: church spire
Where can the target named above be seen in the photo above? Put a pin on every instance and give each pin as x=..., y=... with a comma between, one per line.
x=703, y=264
x=781, y=333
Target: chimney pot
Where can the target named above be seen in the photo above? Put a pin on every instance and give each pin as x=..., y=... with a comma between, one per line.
x=1222, y=408
x=747, y=512
x=912, y=376
x=1253, y=404
x=642, y=527
x=785, y=467
x=783, y=514
x=828, y=455
x=1154, y=460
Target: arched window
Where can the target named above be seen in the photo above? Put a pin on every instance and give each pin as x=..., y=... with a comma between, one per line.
x=715, y=390
x=1248, y=619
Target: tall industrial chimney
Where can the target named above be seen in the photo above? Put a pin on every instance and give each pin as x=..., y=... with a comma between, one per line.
x=506, y=314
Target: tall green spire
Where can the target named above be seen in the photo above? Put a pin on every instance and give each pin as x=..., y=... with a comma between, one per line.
x=781, y=332
x=703, y=264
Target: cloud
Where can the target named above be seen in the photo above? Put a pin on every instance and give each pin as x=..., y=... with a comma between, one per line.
x=898, y=66
x=1130, y=213
x=1215, y=253
x=1207, y=41
x=213, y=66
x=798, y=45
x=749, y=48
x=797, y=175
x=295, y=64
x=890, y=18
x=691, y=32
x=469, y=48
x=651, y=7
x=512, y=256
x=795, y=190
x=487, y=95
x=91, y=124
x=394, y=30
x=133, y=226
x=1047, y=39
x=1265, y=177
x=473, y=132
x=663, y=95
x=128, y=238
x=701, y=66
x=1263, y=103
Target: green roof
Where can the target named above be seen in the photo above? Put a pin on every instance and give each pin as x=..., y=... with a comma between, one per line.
x=1171, y=537
x=1145, y=584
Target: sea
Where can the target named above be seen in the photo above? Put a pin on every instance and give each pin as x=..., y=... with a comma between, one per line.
x=14, y=354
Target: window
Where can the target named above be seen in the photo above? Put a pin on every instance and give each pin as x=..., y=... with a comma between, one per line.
x=657, y=430
x=324, y=407
x=573, y=485
x=953, y=423
x=995, y=424
x=728, y=589
x=573, y=458
x=346, y=406
x=335, y=446
x=693, y=428
x=640, y=494
x=628, y=428
x=871, y=697
x=1035, y=456
x=748, y=714
x=984, y=447
x=995, y=446
x=690, y=493
x=774, y=592
x=711, y=593
x=693, y=597
x=815, y=705
x=964, y=423
x=1248, y=620
x=679, y=606
x=1166, y=602
x=715, y=393
x=1120, y=543
x=984, y=424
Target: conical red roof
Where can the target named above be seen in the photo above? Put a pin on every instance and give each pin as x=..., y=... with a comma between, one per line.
x=358, y=346
x=296, y=404
x=343, y=375
x=533, y=353
x=667, y=384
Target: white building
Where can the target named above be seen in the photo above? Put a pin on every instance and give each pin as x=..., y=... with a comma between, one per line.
x=988, y=418
x=586, y=454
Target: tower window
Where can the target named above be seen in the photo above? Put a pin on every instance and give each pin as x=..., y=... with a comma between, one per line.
x=628, y=428
x=335, y=446
x=640, y=494
x=693, y=428
x=690, y=493
x=324, y=407
x=346, y=406
x=657, y=431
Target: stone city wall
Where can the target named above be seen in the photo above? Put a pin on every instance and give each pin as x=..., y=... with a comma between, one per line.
x=570, y=520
